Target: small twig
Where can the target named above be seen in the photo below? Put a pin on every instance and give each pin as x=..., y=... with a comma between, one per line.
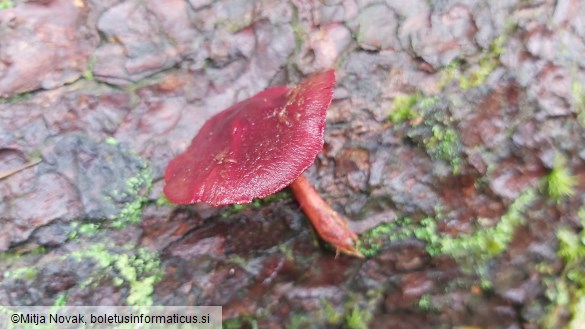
x=19, y=168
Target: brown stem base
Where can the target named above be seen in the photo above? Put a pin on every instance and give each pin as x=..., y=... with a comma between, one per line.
x=330, y=225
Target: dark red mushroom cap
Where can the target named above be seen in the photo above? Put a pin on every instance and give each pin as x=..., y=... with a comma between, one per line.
x=255, y=147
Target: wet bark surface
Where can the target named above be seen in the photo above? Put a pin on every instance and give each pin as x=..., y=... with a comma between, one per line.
x=454, y=144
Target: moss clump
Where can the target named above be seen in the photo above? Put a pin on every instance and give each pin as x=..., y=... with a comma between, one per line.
x=61, y=300
x=372, y=241
x=425, y=303
x=477, y=75
x=353, y=314
x=358, y=318
x=257, y=203
x=83, y=229
x=560, y=182
x=88, y=73
x=111, y=141
x=18, y=98
x=473, y=249
x=137, y=189
x=331, y=315
x=431, y=127
x=286, y=251
x=409, y=107
x=487, y=64
x=444, y=144
x=240, y=322
x=566, y=290
x=403, y=108
x=13, y=260
x=140, y=270
x=487, y=243
x=163, y=201
x=299, y=31
x=578, y=94
x=298, y=321
x=22, y=273
x=6, y=257
x=233, y=209
x=473, y=252
x=5, y=4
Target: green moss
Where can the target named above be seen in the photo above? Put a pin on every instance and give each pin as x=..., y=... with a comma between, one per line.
x=566, y=291
x=236, y=260
x=140, y=270
x=163, y=201
x=9, y=256
x=286, y=251
x=13, y=260
x=450, y=73
x=131, y=213
x=433, y=128
x=240, y=322
x=88, y=73
x=299, y=31
x=133, y=269
x=444, y=144
x=137, y=188
x=256, y=203
x=88, y=228
x=22, y=273
x=6, y=257
x=18, y=98
x=433, y=131
x=578, y=94
x=427, y=102
x=358, y=318
x=475, y=249
x=331, y=315
x=282, y=195
x=403, y=108
x=61, y=300
x=487, y=64
x=425, y=303
x=356, y=312
x=111, y=140
x=409, y=106
x=372, y=241
x=489, y=242
x=298, y=321
x=83, y=229
x=97, y=252
x=472, y=252
x=560, y=182
x=233, y=209
x=5, y=4
x=477, y=75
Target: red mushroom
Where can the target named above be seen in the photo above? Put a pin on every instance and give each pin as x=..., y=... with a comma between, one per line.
x=258, y=147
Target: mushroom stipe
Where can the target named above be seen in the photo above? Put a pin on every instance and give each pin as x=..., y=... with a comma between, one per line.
x=256, y=148
x=329, y=224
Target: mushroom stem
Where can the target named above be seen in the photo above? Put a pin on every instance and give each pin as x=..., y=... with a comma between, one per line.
x=329, y=224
